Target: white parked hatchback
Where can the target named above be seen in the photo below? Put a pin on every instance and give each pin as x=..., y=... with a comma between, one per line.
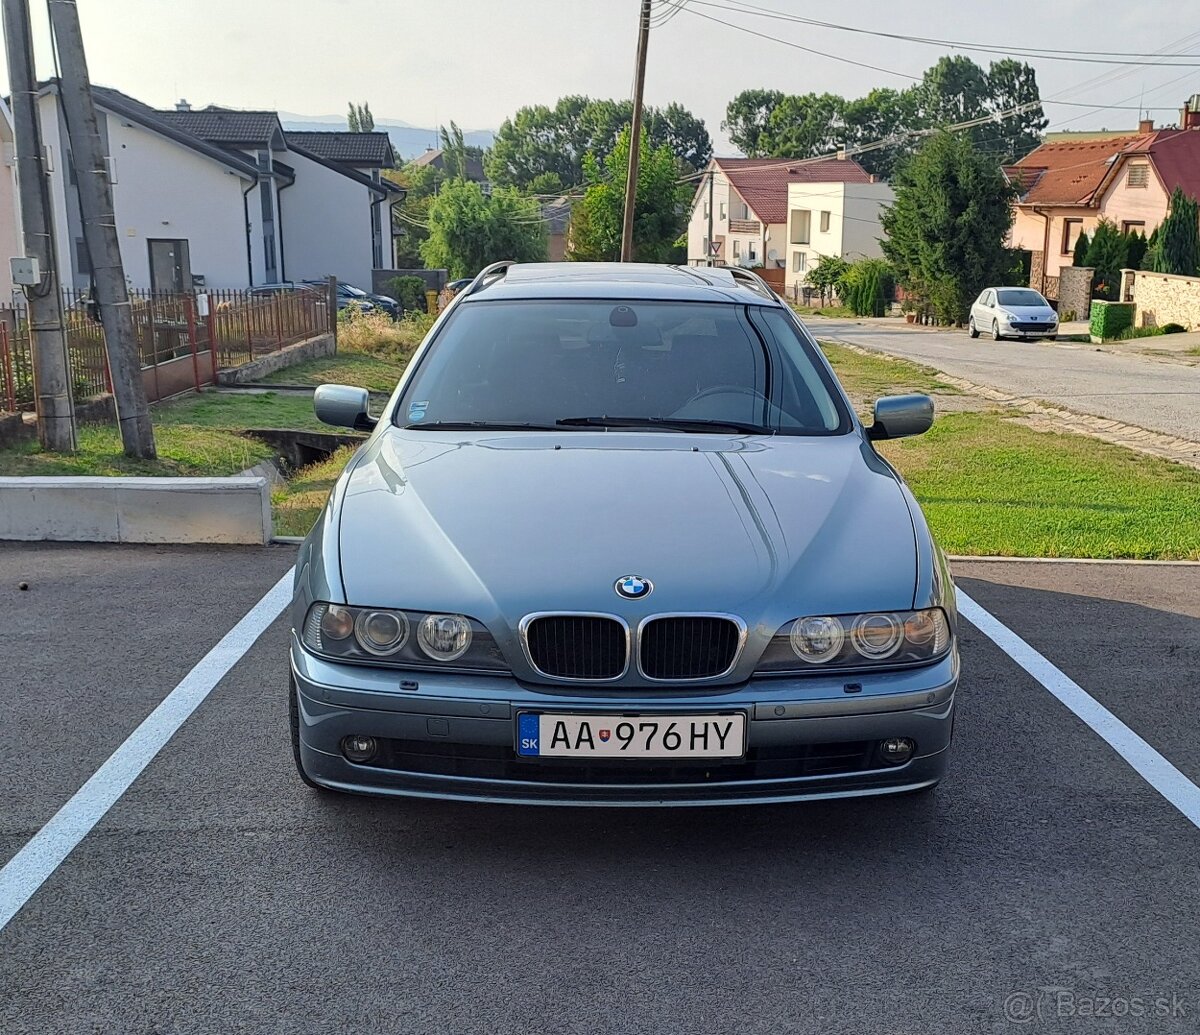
x=1013, y=312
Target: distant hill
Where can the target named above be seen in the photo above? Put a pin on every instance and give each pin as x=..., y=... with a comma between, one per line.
x=409, y=141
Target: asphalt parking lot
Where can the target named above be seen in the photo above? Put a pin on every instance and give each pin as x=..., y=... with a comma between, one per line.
x=1046, y=885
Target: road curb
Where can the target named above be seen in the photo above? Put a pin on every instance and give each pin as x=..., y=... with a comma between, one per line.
x=136, y=510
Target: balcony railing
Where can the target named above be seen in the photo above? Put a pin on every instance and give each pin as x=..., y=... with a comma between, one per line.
x=745, y=226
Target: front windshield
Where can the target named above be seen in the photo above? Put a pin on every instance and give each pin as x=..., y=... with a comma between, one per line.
x=353, y=292
x=549, y=364
x=1020, y=296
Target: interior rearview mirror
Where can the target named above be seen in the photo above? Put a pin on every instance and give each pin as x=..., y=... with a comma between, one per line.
x=898, y=416
x=344, y=406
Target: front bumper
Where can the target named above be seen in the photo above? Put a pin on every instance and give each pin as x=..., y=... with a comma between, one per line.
x=453, y=737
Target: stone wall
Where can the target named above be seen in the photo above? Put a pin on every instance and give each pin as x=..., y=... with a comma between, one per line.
x=1074, y=292
x=1161, y=298
x=1037, y=266
x=249, y=373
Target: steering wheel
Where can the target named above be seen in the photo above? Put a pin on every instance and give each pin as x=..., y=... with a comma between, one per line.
x=704, y=393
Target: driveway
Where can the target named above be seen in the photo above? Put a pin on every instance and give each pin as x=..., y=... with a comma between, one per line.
x=1156, y=394
x=1046, y=886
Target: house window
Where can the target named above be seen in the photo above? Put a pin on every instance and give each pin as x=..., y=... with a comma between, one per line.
x=737, y=249
x=707, y=250
x=799, y=262
x=83, y=263
x=801, y=226
x=1139, y=175
x=706, y=210
x=752, y=252
x=1072, y=228
x=1130, y=226
x=723, y=210
x=824, y=222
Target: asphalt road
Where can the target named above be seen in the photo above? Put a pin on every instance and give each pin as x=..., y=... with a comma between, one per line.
x=220, y=895
x=1159, y=395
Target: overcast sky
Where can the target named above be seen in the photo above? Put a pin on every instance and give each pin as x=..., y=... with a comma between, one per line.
x=477, y=61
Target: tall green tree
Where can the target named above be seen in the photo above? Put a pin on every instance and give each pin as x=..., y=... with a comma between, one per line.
x=1079, y=256
x=359, y=118
x=468, y=229
x=540, y=139
x=1107, y=254
x=768, y=123
x=947, y=227
x=411, y=216
x=659, y=207
x=1177, y=249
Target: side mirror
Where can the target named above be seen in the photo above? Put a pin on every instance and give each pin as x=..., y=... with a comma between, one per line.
x=898, y=416
x=344, y=406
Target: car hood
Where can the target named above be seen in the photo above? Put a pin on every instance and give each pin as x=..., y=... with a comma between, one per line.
x=1029, y=312
x=501, y=525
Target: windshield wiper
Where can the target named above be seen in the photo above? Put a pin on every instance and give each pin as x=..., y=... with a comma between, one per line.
x=671, y=423
x=478, y=425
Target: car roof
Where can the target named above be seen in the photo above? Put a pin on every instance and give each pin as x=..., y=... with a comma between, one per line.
x=624, y=280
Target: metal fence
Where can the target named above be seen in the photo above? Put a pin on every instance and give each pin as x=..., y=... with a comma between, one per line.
x=175, y=336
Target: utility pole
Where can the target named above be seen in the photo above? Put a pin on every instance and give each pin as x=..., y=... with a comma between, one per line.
x=711, y=176
x=635, y=135
x=48, y=342
x=100, y=232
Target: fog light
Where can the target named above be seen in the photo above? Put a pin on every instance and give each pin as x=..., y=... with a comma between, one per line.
x=897, y=750
x=358, y=748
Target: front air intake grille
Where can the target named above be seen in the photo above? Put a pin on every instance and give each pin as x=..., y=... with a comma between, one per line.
x=577, y=646
x=689, y=646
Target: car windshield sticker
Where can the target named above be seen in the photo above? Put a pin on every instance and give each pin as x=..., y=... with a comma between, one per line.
x=416, y=410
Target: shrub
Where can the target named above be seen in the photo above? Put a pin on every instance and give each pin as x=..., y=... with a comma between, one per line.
x=1173, y=328
x=1109, y=319
x=1107, y=254
x=376, y=333
x=1140, y=332
x=866, y=286
x=409, y=292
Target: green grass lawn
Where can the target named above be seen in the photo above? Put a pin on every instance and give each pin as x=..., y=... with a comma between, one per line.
x=298, y=505
x=375, y=373
x=837, y=311
x=873, y=375
x=240, y=410
x=182, y=450
x=195, y=435
x=993, y=487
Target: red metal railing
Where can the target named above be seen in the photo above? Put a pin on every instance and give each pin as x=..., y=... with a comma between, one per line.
x=172, y=332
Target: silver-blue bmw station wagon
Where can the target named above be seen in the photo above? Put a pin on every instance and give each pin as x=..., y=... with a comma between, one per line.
x=618, y=538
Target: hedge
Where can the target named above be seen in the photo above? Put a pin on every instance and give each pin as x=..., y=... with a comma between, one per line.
x=1109, y=319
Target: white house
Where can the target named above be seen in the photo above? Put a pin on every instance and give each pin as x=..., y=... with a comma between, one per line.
x=10, y=214
x=218, y=198
x=832, y=217
x=783, y=213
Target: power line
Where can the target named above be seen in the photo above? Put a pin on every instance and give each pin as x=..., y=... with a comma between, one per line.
x=1045, y=53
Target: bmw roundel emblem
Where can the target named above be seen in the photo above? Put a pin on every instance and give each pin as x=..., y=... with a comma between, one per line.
x=633, y=587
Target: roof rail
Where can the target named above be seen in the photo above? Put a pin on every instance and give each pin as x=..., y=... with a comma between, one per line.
x=496, y=269
x=753, y=281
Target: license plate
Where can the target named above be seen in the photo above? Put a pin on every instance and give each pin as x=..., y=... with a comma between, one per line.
x=631, y=736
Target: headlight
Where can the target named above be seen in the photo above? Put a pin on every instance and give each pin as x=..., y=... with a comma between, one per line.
x=444, y=637
x=884, y=638
x=382, y=636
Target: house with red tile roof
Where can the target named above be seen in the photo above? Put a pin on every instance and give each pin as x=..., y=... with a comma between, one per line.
x=782, y=214
x=1068, y=184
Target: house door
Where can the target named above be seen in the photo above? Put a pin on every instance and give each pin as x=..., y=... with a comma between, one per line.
x=170, y=266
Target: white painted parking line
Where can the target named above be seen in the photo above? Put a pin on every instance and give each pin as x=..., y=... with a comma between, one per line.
x=46, y=850
x=1148, y=763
